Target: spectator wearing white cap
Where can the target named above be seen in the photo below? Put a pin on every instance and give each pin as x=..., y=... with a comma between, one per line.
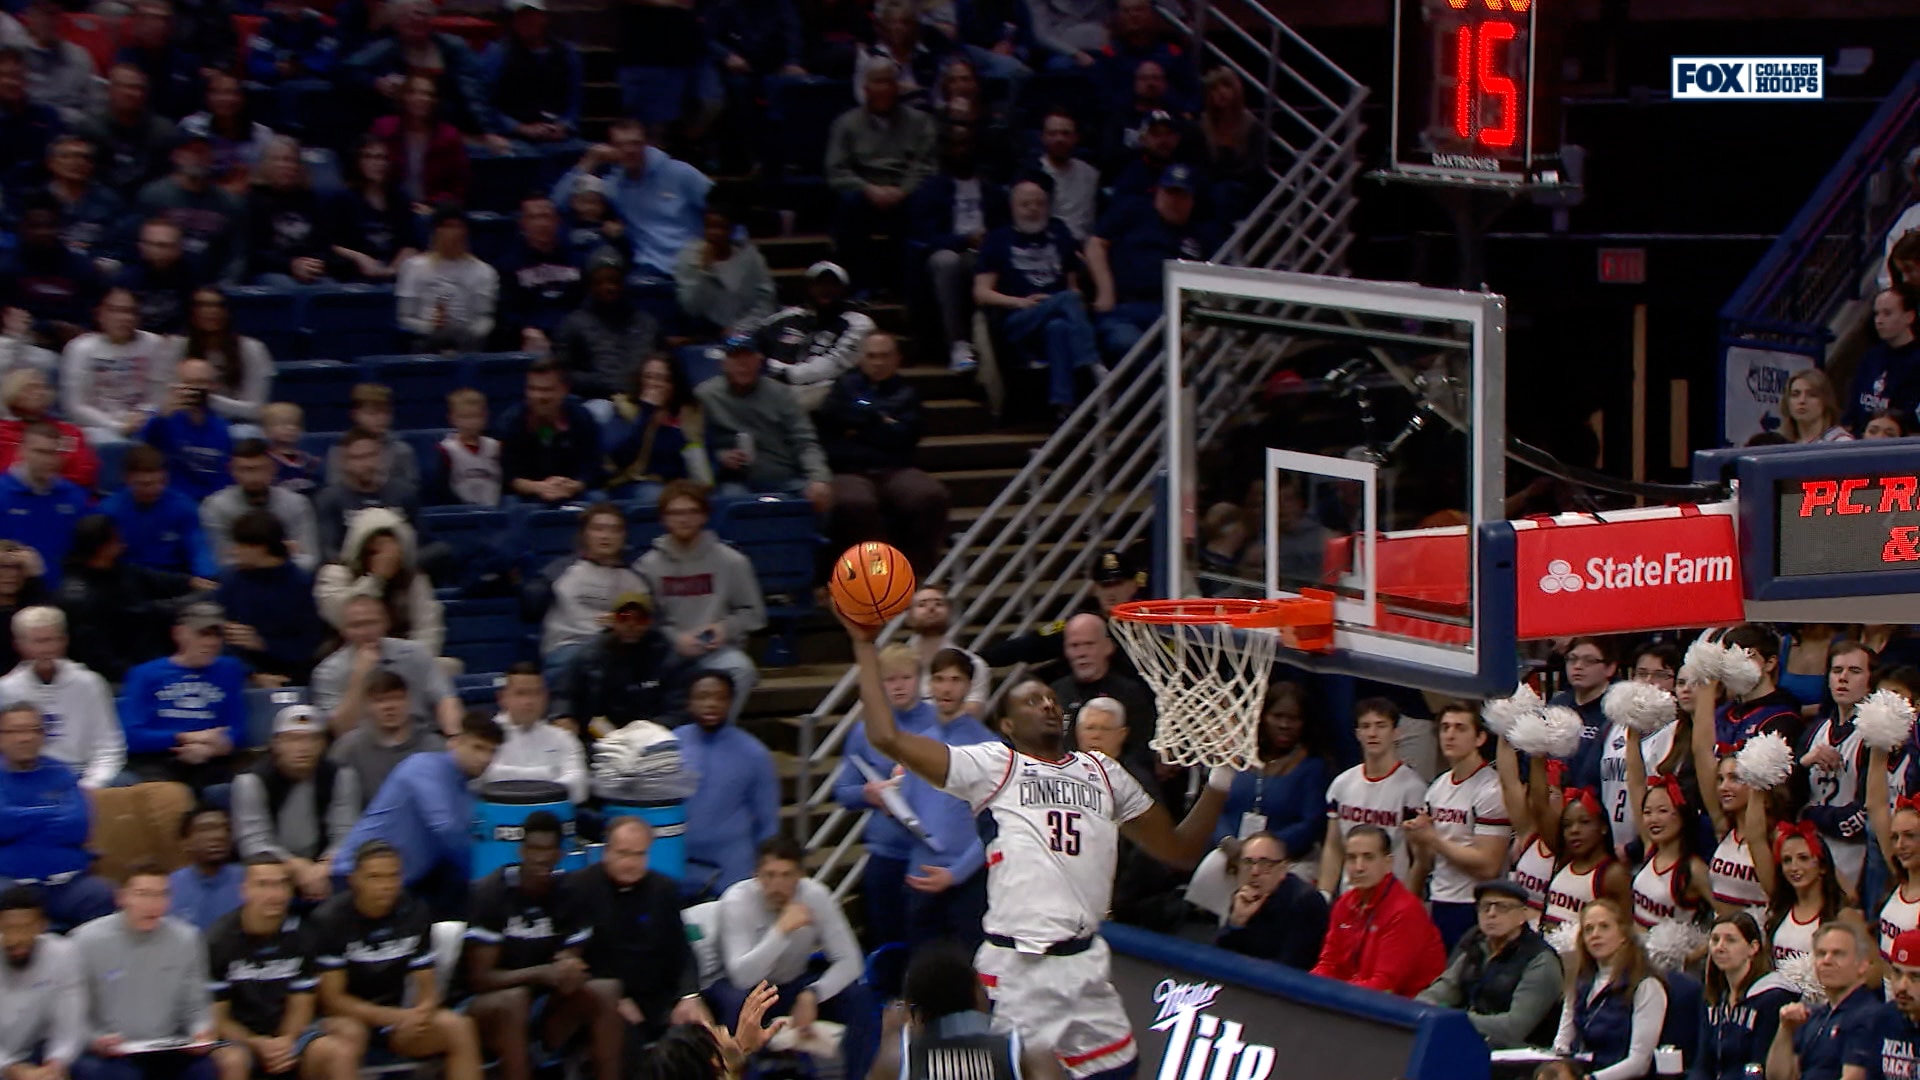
x=812, y=343
x=82, y=729
x=296, y=805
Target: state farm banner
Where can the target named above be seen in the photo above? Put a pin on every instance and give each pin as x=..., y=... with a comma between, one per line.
x=1609, y=577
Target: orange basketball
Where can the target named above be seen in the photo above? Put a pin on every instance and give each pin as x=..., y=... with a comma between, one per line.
x=871, y=583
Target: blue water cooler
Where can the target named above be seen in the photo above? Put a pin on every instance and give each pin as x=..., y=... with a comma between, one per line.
x=499, y=810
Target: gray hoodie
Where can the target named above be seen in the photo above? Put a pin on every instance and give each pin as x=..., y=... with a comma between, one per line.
x=221, y=509
x=582, y=593
x=710, y=583
x=43, y=1005
x=144, y=986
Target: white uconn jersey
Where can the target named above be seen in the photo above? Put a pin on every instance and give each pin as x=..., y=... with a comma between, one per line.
x=1050, y=869
x=1733, y=878
x=1354, y=798
x=1613, y=776
x=1898, y=916
x=1533, y=870
x=1461, y=811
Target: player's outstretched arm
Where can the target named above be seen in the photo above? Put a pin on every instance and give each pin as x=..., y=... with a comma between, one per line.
x=1182, y=846
x=926, y=758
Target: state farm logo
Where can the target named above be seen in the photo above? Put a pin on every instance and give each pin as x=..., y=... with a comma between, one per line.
x=1642, y=571
x=1560, y=578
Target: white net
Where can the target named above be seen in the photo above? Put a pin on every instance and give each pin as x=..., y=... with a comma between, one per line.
x=1209, y=680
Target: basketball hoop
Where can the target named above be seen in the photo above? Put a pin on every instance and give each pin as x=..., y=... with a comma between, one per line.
x=1208, y=662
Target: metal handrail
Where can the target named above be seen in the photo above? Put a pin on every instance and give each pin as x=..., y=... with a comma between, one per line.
x=1092, y=486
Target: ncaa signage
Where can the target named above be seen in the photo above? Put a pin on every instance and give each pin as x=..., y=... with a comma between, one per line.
x=1749, y=78
x=1670, y=567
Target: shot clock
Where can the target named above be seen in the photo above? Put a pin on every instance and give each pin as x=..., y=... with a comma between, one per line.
x=1464, y=90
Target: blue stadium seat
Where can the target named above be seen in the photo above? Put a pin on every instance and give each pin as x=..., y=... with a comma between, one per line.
x=500, y=181
x=779, y=536
x=263, y=705
x=347, y=322
x=426, y=451
x=113, y=461
x=500, y=376
x=420, y=384
x=477, y=689
x=272, y=314
x=551, y=532
x=490, y=234
x=801, y=111
x=482, y=539
x=321, y=389
x=485, y=635
x=700, y=362
x=643, y=527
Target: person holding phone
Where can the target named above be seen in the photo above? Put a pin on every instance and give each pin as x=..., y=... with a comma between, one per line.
x=196, y=440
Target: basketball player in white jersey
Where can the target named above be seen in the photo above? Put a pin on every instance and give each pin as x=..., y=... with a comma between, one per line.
x=1461, y=837
x=1381, y=791
x=1836, y=762
x=1060, y=815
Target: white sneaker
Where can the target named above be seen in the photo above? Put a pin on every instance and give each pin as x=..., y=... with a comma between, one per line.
x=960, y=358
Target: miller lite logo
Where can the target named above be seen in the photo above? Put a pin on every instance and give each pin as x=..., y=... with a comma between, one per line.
x=1200, y=1043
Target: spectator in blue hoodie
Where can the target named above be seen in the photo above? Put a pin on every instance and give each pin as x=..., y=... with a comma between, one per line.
x=425, y=810
x=889, y=841
x=737, y=805
x=946, y=889
x=272, y=623
x=43, y=823
x=196, y=440
x=38, y=507
x=184, y=714
x=160, y=526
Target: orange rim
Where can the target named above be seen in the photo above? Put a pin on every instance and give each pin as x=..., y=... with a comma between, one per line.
x=1313, y=608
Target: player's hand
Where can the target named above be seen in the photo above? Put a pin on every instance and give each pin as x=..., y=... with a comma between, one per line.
x=793, y=917
x=806, y=1009
x=207, y=1038
x=1419, y=828
x=630, y=1012
x=569, y=973
x=107, y=1046
x=932, y=879
x=871, y=792
x=1793, y=1015
x=820, y=495
x=748, y=1035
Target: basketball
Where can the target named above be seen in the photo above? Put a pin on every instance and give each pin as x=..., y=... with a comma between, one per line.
x=871, y=583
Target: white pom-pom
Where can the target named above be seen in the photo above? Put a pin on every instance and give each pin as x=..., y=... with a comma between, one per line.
x=1564, y=938
x=1705, y=661
x=1765, y=762
x=1640, y=706
x=1798, y=970
x=1500, y=713
x=1553, y=731
x=1740, y=673
x=1884, y=719
x=1671, y=944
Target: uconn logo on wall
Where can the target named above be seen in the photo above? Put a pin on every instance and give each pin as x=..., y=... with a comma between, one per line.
x=1200, y=1043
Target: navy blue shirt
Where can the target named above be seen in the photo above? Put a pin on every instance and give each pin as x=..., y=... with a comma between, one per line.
x=1836, y=1036
x=1886, y=378
x=1897, y=1042
x=1029, y=264
x=1140, y=240
x=539, y=288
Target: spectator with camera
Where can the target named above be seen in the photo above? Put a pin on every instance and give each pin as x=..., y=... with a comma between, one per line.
x=195, y=439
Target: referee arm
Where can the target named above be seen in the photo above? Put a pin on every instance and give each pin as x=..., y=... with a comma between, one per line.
x=926, y=758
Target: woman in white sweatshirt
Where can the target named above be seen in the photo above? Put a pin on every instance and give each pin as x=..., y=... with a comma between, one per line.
x=446, y=296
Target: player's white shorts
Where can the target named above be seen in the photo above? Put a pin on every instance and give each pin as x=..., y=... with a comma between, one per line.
x=1065, y=1003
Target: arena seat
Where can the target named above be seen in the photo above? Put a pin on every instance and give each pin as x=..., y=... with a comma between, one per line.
x=420, y=383
x=801, y=112
x=485, y=635
x=643, y=526
x=780, y=537
x=321, y=389
x=551, y=532
x=490, y=234
x=272, y=314
x=349, y=321
x=499, y=180
x=478, y=535
x=500, y=376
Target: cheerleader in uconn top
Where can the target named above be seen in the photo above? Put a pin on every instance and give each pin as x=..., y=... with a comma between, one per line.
x=1530, y=856
x=1743, y=997
x=1587, y=871
x=1740, y=820
x=1672, y=884
x=1798, y=872
x=1896, y=828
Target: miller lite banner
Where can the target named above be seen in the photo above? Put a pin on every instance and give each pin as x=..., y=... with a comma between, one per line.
x=1626, y=572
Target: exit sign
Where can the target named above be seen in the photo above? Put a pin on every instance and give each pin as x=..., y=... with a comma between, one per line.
x=1623, y=266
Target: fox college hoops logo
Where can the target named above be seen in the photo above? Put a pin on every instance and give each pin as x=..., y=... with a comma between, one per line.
x=1200, y=1043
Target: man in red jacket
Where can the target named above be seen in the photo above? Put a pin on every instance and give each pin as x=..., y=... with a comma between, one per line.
x=1379, y=935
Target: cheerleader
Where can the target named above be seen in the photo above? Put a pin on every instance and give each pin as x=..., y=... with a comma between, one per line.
x=1672, y=883
x=1799, y=875
x=1530, y=856
x=1896, y=828
x=1740, y=819
x=1743, y=997
x=1587, y=870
